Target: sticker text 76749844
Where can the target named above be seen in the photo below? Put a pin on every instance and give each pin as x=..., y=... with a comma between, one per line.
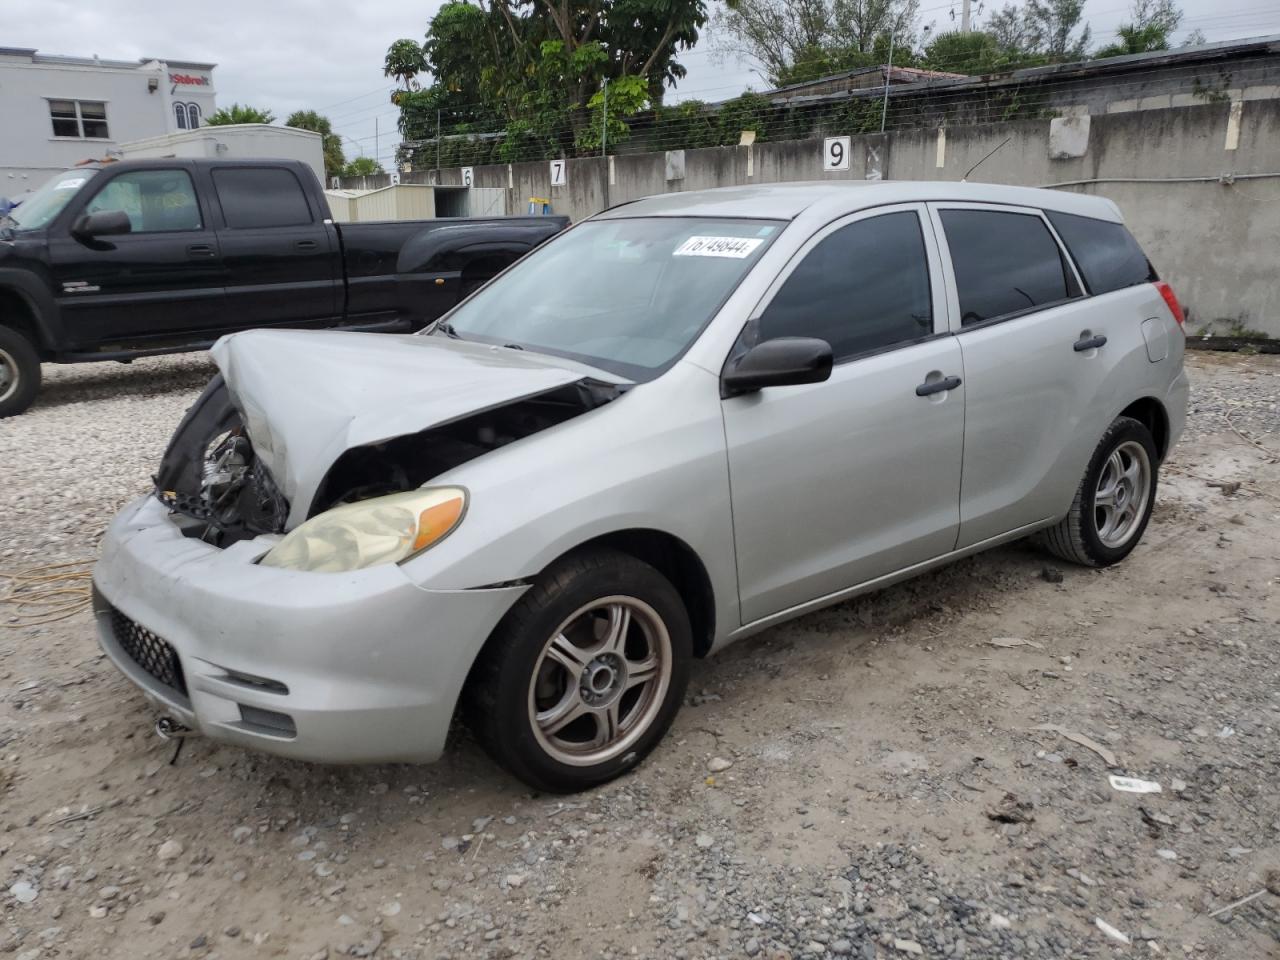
x=737, y=248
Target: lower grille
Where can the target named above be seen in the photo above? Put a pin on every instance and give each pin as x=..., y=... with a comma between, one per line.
x=152, y=653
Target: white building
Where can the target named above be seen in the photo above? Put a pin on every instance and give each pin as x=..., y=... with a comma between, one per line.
x=57, y=111
x=236, y=141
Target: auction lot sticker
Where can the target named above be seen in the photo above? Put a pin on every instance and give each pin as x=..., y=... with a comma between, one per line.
x=737, y=248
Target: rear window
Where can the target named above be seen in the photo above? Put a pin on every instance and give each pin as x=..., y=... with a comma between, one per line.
x=1004, y=263
x=1106, y=253
x=261, y=197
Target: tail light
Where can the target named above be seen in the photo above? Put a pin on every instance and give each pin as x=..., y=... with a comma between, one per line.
x=1175, y=308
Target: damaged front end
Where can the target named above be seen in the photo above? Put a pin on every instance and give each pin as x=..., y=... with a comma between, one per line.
x=221, y=491
x=212, y=480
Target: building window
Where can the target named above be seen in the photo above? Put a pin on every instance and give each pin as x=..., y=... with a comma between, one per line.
x=193, y=115
x=82, y=119
x=180, y=114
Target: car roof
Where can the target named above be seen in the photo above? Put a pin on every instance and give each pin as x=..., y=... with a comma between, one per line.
x=787, y=201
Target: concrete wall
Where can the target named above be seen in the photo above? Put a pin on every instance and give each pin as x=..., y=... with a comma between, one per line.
x=1218, y=243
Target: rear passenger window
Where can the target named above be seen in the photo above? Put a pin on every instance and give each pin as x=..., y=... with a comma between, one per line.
x=261, y=197
x=1106, y=253
x=864, y=287
x=1004, y=263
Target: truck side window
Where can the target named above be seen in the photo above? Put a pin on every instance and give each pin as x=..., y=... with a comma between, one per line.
x=155, y=200
x=864, y=287
x=254, y=197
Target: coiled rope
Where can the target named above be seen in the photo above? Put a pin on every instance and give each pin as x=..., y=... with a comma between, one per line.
x=45, y=594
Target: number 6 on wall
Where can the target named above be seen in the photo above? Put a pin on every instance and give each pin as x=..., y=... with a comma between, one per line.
x=557, y=173
x=835, y=153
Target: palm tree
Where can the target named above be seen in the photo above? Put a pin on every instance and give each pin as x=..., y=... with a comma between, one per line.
x=238, y=114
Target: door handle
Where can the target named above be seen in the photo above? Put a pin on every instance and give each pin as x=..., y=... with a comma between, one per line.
x=306, y=244
x=930, y=387
x=1089, y=343
x=200, y=251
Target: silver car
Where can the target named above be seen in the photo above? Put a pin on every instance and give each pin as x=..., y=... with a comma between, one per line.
x=678, y=423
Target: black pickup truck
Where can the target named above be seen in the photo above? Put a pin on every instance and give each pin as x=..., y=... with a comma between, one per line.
x=111, y=261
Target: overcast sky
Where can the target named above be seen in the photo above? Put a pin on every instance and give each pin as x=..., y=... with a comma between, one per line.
x=289, y=54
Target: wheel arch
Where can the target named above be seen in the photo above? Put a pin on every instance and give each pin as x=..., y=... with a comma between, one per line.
x=1151, y=413
x=676, y=561
x=18, y=313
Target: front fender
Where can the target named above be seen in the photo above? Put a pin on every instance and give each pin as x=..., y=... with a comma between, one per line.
x=32, y=288
x=629, y=465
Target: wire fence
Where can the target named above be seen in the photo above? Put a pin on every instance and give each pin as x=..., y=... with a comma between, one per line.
x=456, y=139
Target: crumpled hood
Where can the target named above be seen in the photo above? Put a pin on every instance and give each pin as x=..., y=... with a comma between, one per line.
x=307, y=396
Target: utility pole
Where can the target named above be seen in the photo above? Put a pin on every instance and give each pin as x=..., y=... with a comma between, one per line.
x=377, y=154
x=438, y=141
x=884, y=110
x=604, y=122
x=964, y=15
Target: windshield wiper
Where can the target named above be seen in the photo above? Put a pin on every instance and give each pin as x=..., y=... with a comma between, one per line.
x=513, y=346
x=445, y=327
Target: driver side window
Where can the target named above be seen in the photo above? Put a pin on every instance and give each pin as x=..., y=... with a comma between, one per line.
x=155, y=200
x=862, y=288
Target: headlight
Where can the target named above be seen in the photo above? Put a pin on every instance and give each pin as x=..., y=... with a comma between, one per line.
x=382, y=530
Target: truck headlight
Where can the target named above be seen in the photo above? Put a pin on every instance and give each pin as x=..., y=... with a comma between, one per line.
x=388, y=529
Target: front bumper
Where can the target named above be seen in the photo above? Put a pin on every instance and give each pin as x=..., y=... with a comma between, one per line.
x=340, y=668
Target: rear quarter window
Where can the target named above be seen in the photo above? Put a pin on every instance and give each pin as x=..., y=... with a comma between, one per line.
x=1106, y=253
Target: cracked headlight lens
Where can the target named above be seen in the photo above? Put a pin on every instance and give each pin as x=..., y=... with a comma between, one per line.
x=381, y=530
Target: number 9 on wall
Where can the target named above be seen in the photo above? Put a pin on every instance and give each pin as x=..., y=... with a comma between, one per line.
x=835, y=153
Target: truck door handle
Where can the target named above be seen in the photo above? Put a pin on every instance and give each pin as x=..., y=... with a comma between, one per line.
x=1089, y=343
x=306, y=245
x=937, y=386
x=199, y=251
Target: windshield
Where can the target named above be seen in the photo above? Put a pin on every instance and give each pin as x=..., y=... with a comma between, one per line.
x=46, y=203
x=628, y=296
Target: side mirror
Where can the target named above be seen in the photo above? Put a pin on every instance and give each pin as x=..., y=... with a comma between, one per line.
x=778, y=363
x=104, y=223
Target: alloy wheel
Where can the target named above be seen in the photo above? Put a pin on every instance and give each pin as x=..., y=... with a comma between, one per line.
x=1120, y=501
x=600, y=681
x=8, y=375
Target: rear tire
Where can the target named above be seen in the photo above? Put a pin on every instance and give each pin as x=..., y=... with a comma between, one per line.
x=19, y=373
x=1113, y=502
x=582, y=678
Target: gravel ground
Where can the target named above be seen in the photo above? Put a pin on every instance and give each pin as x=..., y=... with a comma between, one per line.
x=875, y=780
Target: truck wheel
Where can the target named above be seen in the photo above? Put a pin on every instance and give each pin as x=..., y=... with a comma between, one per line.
x=1113, y=502
x=19, y=372
x=584, y=675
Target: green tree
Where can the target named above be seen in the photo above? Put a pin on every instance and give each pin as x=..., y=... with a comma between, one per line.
x=976, y=52
x=1056, y=25
x=1152, y=23
x=330, y=142
x=405, y=60
x=532, y=68
x=362, y=167
x=792, y=42
x=238, y=114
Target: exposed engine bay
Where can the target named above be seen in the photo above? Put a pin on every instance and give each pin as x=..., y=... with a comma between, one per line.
x=222, y=492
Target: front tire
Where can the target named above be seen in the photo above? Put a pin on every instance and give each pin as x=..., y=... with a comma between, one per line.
x=1113, y=503
x=19, y=373
x=582, y=678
